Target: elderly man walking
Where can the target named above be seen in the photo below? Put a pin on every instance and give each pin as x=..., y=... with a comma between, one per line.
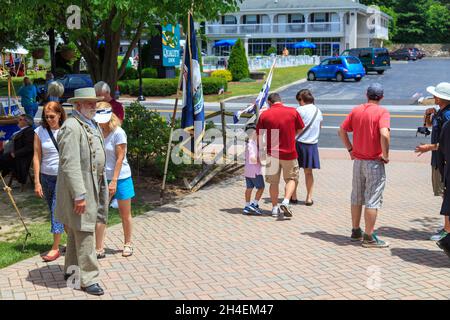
x=103, y=90
x=82, y=190
x=280, y=125
x=370, y=125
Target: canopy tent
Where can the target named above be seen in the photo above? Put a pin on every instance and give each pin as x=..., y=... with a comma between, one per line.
x=304, y=45
x=225, y=43
x=20, y=50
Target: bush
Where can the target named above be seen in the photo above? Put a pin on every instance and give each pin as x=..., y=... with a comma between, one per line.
x=149, y=73
x=271, y=50
x=130, y=74
x=224, y=74
x=167, y=87
x=308, y=52
x=237, y=63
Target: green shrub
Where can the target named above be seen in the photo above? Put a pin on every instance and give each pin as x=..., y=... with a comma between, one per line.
x=149, y=73
x=307, y=52
x=130, y=74
x=224, y=74
x=167, y=87
x=271, y=50
x=237, y=63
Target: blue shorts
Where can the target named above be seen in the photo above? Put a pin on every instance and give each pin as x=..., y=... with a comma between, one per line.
x=125, y=189
x=257, y=182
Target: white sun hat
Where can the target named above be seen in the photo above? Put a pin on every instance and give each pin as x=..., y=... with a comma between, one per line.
x=442, y=90
x=103, y=115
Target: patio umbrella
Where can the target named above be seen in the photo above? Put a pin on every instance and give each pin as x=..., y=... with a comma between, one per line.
x=225, y=43
x=304, y=45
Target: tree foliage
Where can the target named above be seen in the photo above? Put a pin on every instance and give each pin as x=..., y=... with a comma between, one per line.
x=111, y=21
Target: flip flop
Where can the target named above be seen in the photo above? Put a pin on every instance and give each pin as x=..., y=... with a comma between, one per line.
x=309, y=204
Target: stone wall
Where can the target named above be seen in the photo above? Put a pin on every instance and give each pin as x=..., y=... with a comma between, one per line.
x=431, y=50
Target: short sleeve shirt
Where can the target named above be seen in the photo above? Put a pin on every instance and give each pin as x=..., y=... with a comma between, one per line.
x=365, y=121
x=117, y=109
x=280, y=124
x=111, y=141
x=311, y=136
x=438, y=122
x=50, y=156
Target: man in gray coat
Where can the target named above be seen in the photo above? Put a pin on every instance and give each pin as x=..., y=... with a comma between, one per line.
x=81, y=190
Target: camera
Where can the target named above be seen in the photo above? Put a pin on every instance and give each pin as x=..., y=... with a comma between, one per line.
x=423, y=130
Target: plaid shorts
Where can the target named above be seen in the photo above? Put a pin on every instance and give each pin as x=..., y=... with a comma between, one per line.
x=369, y=180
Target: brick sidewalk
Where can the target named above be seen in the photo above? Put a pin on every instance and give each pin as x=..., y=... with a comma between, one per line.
x=202, y=247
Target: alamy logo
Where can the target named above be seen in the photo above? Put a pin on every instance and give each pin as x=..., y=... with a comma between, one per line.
x=74, y=19
x=374, y=278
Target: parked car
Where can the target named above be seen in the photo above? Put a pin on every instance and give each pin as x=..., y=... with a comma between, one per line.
x=419, y=53
x=71, y=82
x=373, y=59
x=404, y=54
x=339, y=68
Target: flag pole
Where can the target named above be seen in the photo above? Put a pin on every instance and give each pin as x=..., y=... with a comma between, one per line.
x=172, y=126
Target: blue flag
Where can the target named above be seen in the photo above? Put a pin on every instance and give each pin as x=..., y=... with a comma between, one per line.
x=193, y=114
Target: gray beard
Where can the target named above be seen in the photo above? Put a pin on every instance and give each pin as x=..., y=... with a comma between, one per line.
x=88, y=113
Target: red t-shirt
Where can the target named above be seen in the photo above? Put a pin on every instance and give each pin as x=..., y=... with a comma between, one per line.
x=365, y=121
x=117, y=109
x=287, y=121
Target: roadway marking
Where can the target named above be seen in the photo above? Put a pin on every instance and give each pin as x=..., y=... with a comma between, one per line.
x=392, y=129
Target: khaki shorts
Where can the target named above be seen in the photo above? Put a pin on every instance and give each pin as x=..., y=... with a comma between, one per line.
x=274, y=166
x=436, y=181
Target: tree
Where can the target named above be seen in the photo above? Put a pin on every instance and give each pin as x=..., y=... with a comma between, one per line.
x=438, y=23
x=237, y=63
x=411, y=22
x=111, y=21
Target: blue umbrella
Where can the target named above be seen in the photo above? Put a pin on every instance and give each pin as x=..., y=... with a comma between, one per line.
x=304, y=44
x=225, y=43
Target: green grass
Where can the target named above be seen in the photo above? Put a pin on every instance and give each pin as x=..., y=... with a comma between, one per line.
x=18, y=82
x=41, y=239
x=281, y=77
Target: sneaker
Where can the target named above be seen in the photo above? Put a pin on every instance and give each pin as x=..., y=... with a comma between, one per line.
x=255, y=208
x=438, y=236
x=444, y=245
x=275, y=213
x=357, y=235
x=248, y=210
x=285, y=208
x=374, y=242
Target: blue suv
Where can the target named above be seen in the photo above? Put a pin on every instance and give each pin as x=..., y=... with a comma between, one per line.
x=339, y=68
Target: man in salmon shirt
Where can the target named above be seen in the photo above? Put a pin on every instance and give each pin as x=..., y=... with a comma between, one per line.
x=278, y=126
x=370, y=124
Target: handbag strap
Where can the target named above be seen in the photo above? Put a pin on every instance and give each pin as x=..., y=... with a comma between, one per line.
x=309, y=124
x=50, y=133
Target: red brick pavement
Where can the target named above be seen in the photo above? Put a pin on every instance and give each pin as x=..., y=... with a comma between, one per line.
x=202, y=247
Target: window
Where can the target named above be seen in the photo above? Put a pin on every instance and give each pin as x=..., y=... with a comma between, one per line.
x=77, y=82
x=326, y=62
x=258, y=46
x=352, y=60
x=319, y=17
x=296, y=18
x=228, y=20
x=365, y=53
x=251, y=19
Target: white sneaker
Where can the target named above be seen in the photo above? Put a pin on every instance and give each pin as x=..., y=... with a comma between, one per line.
x=276, y=212
x=114, y=204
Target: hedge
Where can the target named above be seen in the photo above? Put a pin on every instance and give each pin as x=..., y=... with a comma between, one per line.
x=149, y=73
x=167, y=87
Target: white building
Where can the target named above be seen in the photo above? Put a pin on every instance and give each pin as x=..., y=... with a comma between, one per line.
x=333, y=25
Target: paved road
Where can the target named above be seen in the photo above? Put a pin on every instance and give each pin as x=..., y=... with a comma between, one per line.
x=401, y=83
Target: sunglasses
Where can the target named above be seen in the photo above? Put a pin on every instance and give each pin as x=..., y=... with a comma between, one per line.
x=50, y=117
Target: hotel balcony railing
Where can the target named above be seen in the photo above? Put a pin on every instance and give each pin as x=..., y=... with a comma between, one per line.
x=379, y=31
x=267, y=28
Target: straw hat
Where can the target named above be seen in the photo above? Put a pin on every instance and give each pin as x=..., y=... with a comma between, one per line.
x=84, y=94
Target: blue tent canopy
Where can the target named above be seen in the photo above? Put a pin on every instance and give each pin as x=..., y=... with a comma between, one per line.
x=304, y=44
x=225, y=43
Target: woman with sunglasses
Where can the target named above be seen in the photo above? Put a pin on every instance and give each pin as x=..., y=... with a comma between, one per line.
x=45, y=164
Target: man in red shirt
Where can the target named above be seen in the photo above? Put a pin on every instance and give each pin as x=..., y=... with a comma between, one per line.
x=102, y=89
x=370, y=125
x=278, y=126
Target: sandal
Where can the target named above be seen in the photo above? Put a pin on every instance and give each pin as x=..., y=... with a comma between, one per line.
x=127, y=250
x=100, y=254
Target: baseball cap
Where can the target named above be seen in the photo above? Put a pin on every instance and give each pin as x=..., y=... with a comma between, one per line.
x=375, y=91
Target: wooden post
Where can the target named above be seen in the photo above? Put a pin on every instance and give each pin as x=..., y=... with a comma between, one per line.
x=224, y=129
x=9, y=94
